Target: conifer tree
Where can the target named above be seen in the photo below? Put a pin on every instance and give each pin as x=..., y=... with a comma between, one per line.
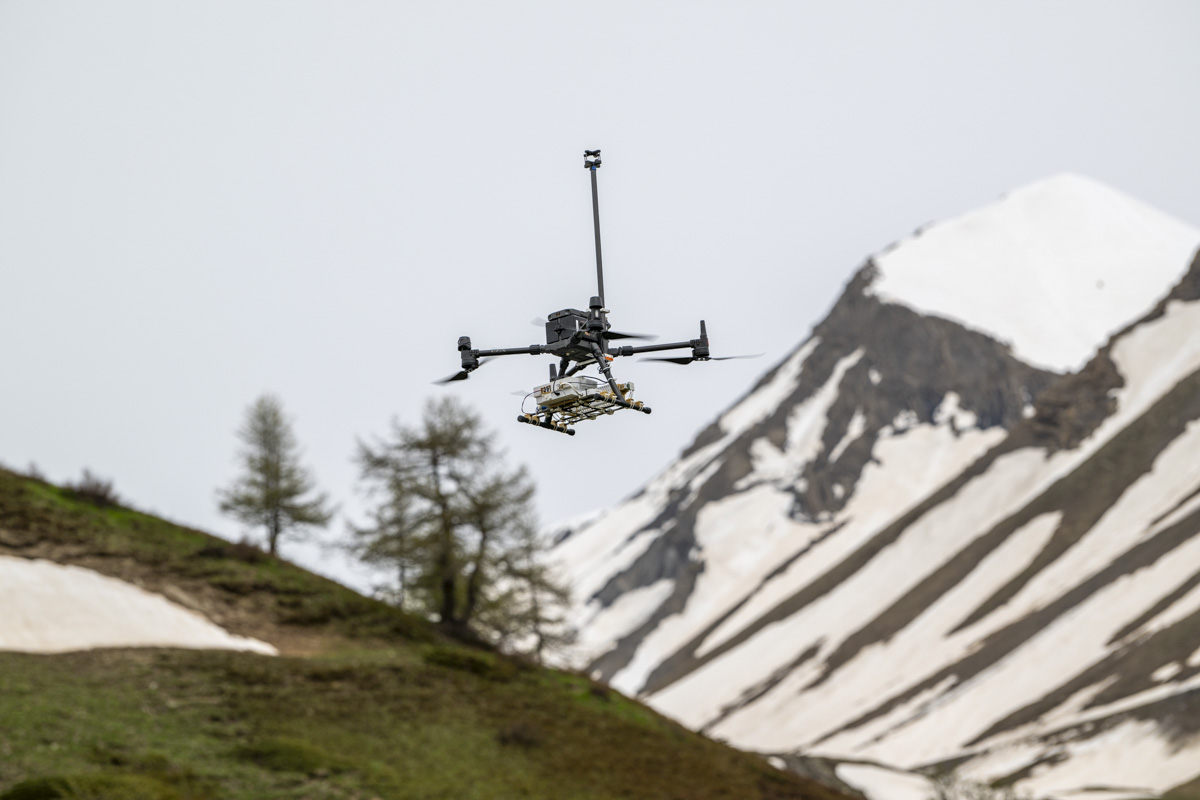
x=272, y=490
x=457, y=527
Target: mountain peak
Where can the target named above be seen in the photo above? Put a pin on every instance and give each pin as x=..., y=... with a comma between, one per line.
x=910, y=545
x=1045, y=269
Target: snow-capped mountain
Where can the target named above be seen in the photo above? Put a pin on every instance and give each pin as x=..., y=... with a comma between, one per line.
x=958, y=525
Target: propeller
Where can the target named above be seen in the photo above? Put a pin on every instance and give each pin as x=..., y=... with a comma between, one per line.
x=690, y=359
x=463, y=374
x=649, y=337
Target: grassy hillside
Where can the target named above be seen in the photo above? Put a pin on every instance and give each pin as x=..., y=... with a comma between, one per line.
x=1188, y=791
x=365, y=702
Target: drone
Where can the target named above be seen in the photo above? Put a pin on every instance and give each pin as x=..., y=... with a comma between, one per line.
x=581, y=339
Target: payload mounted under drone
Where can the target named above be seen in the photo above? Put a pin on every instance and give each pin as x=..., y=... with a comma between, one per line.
x=580, y=339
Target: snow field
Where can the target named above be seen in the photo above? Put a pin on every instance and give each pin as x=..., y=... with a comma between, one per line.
x=934, y=456
x=1067, y=262
x=832, y=618
x=54, y=608
x=747, y=535
x=1131, y=760
x=764, y=400
x=604, y=548
x=1064, y=649
x=881, y=783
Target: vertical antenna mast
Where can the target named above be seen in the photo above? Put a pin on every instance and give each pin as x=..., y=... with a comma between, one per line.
x=591, y=162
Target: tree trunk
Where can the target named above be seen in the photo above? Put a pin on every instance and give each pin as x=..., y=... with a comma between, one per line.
x=475, y=578
x=445, y=556
x=273, y=531
x=403, y=585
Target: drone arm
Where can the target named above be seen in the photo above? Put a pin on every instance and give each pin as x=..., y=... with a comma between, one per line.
x=629, y=350
x=531, y=350
x=470, y=357
x=699, y=347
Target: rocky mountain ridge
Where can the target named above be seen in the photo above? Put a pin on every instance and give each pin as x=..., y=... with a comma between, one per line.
x=909, y=543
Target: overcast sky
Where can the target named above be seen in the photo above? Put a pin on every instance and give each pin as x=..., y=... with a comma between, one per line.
x=202, y=202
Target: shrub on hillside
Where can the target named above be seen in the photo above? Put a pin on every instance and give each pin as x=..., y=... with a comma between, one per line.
x=244, y=550
x=520, y=734
x=477, y=662
x=102, y=786
x=95, y=490
x=283, y=754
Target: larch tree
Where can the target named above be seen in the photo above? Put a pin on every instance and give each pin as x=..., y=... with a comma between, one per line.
x=274, y=491
x=388, y=541
x=456, y=528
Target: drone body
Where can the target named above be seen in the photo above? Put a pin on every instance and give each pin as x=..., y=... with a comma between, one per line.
x=580, y=339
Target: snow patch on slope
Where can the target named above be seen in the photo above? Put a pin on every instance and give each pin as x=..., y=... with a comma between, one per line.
x=54, y=608
x=627, y=613
x=934, y=454
x=1054, y=268
x=605, y=548
x=856, y=428
x=1130, y=760
x=922, y=729
x=881, y=783
x=766, y=399
x=805, y=427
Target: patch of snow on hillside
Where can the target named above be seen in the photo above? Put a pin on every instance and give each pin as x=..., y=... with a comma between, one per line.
x=1185, y=510
x=1013, y=479
x=835, y=615
x=1166, y=672
x=1134, y=759
x=1066, y=647
x=1178, y=611
x=931, y=455
x=806, y=422
x=916, y=652
x=731, y=562
x=1172, y=476
x=618, y=553
x=856, y=428
x=55, y=608
x=767, y=398
x=805, y=429
x=1054, y=268
x=950, y=412
x=881, y=783
x=925, y=646
x=592, y=555
x=596, y=552
x=1154, y=357
x=627, y=613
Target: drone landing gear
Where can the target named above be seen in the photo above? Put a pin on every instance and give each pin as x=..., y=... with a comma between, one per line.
x=553, y=426
x=564, y=402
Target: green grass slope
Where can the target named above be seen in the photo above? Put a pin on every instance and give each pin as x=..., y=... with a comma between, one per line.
x=365, y=702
